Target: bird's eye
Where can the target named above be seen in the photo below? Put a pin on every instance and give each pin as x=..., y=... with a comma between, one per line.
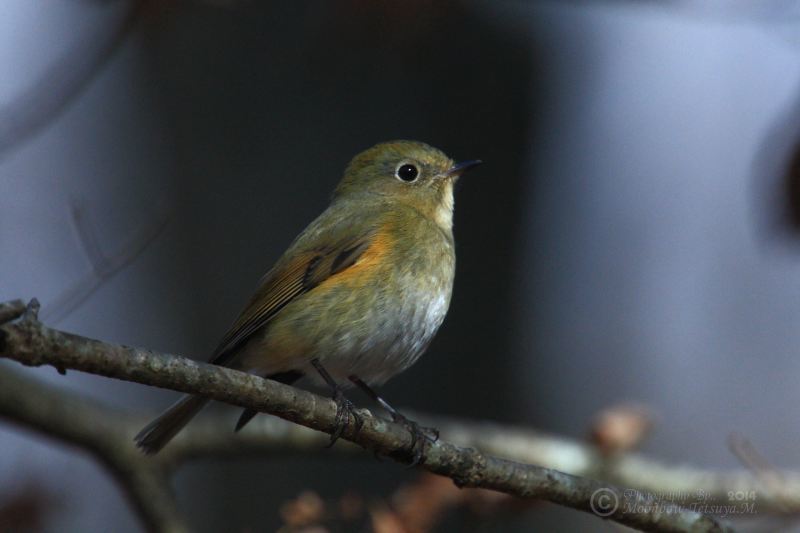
x=407, y=172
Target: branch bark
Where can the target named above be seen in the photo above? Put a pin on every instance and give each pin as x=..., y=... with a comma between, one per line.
x=31, y=343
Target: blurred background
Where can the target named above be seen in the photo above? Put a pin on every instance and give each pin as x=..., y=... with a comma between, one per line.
x=634, y=234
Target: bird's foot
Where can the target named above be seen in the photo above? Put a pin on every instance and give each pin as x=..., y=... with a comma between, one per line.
x=344, y=410
x=420, y=437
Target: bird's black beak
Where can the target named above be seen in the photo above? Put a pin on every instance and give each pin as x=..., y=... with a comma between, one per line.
x=460, y=168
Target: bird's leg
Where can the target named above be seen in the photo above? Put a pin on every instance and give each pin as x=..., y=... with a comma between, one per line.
x=344, y=407
x=419, y=434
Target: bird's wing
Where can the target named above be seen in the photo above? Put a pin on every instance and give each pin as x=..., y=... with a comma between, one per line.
x=287, y=280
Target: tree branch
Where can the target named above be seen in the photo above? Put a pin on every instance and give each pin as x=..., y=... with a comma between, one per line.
x=33, y=344
x=102, y=432
x=266, y=436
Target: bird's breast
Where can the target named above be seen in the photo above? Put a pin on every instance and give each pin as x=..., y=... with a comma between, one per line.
x=373, y=319
x=402, y=322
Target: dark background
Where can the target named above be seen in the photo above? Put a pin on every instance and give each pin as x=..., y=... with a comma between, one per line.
x=626, y=238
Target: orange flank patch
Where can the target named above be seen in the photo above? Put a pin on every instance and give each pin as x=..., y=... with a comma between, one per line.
x=370, y=264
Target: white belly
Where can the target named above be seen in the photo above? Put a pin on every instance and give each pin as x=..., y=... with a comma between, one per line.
x=406, y=327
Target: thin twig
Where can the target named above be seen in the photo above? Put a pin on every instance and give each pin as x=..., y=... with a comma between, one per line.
x=104, y=266
x=771, y=481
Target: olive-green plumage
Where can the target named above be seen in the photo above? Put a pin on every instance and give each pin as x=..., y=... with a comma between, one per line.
x=361, y=291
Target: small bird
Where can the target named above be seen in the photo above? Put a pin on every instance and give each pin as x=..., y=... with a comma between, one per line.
x=359, y=294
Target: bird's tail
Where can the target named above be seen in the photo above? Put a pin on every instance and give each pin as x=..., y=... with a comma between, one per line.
x=160, y=431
